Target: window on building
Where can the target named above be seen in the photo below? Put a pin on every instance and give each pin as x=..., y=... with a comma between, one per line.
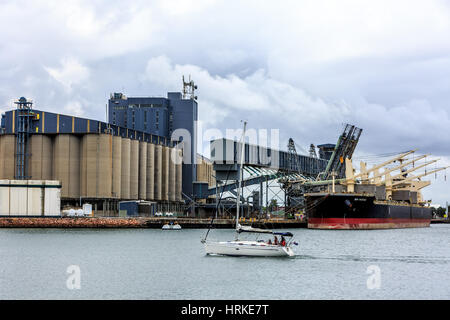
x=170, y=122
x=157, y=120
x=145, y=120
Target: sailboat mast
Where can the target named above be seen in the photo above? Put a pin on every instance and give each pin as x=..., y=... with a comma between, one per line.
x=240, y=175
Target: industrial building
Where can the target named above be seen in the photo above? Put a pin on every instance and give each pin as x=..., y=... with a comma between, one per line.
x=144, y=157
x=164, y=117
x=96, y=162
x=30, y=198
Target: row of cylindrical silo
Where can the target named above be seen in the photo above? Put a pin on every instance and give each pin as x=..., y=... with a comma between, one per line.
x=100, y=166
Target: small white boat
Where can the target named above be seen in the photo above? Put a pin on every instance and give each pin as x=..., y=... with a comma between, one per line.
x=171, y=226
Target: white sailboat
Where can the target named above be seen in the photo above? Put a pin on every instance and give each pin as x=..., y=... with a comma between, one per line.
x=254, y=248
x=251, y=248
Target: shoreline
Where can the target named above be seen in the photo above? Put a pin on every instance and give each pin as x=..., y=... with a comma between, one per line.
x=141, y=222
x=152, y=222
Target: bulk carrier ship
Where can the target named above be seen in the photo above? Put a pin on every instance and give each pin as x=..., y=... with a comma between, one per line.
x=372, y=200
x=353, y=211
x=387, y=195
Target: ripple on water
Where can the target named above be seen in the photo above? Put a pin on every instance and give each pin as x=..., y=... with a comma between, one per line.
x=153, y=264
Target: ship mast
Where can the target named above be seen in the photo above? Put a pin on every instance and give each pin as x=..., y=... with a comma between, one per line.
x=238, y=199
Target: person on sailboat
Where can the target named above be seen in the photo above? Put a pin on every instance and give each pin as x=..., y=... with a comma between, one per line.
x=275, y=241
x=283, y=241
x=269, y=242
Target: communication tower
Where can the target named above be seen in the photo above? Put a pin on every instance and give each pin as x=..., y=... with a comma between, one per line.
x=189, y=89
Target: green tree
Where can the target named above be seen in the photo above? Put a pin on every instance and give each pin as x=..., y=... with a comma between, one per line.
x=438, y=212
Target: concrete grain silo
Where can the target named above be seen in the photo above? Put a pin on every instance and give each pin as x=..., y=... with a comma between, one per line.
x=66, y=163
x=142, y=170
x=150, y=171
x=179, y=176
x=41, y=158
x=172, y=173
x=104, y=166
x=158, y=172
x=165, y=173
x=134, y=170
x=116, y=167
x=74, y=167
x=7, y=164
x=96, y=166
x=61, y=162
x=125, y=164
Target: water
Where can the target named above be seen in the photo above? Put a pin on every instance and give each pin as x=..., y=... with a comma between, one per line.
x=155, y=264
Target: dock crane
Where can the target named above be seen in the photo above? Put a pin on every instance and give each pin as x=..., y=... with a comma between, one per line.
x=291, y=200
x=343, y=150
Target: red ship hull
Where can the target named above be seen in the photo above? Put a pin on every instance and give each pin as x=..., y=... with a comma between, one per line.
x=347, y=211
x=366, y=223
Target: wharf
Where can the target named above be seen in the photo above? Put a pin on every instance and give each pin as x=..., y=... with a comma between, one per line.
x=142, y=222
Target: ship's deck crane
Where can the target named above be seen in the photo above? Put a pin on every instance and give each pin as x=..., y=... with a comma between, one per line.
x=401, y=181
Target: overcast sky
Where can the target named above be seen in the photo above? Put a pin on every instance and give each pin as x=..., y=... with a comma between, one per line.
x=304, y=67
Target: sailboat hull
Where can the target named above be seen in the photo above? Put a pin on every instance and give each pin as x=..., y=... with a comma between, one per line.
x=247, y=248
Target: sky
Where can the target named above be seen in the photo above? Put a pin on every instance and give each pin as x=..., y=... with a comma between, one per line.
x=303, y=67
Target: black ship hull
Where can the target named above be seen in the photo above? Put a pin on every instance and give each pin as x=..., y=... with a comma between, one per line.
x=345, y=211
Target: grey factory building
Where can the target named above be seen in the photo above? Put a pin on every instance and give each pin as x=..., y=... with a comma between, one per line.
x=160, y=117
x=131, y=157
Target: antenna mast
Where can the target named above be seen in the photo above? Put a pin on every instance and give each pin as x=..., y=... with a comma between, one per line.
x=189, y=88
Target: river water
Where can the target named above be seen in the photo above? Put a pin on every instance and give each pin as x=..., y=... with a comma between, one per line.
x=156, y=264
